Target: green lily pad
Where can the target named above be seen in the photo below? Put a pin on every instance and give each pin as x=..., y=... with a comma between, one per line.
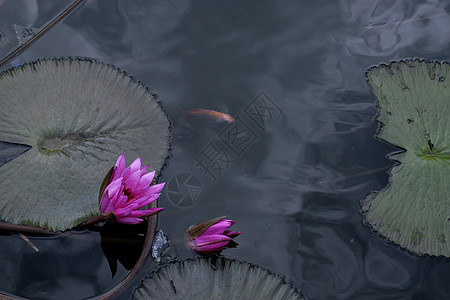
x=78, y=116
x=214, y=278
x=414, y=109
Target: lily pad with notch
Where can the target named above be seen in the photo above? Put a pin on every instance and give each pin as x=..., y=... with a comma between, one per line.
x=214, y=278
x=413, y=211
x=77, y=116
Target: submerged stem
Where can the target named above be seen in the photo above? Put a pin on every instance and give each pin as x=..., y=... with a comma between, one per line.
x=56, y=20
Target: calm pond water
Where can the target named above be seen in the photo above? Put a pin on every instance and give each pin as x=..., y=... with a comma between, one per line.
x=294, y=180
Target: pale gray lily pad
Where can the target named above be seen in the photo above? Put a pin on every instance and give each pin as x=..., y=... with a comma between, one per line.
x=78, y=116
x=414, y=112
x=214, y=278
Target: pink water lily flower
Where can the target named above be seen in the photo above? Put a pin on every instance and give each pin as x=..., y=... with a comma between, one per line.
x=129, y=190
x=212, y=236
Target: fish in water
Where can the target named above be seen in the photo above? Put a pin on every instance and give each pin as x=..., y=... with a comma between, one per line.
x=210, y=114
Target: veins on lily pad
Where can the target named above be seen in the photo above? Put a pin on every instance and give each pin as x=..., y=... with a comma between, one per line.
x=413, y=211
x=76, y=115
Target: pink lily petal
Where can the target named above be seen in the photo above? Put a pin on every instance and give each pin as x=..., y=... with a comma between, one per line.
x=105, y=204
x=130, y=220
x=144, y=182
x=135, y=165
x=114, y=187
x=126, y=173
x=119, y=166
x=122, y=212
x=133, y=206
x=231, y=234
x=153, y=190
x=141, y=202
x=212, y=245
x=131, y=181
x=211, y=239
x=120, y=201
x=144, y=169
x=218, y=228
x=146, y=212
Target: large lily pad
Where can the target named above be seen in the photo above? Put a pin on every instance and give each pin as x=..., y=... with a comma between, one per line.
x=414, y=109
x=77, y=116
x=214, y=278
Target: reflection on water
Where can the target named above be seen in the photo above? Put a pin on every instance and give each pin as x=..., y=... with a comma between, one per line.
x=70, y=267
x=296, y=189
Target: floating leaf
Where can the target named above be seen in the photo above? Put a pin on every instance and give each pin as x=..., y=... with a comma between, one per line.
x=77, y=116
x=214, y=278
x=414, y=109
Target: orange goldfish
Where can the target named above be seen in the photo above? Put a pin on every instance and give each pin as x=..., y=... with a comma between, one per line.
x=216, y=115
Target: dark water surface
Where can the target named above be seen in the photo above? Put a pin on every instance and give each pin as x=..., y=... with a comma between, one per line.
x=292, y=74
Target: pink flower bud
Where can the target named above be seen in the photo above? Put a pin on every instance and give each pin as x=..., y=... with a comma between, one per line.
x=212, y=236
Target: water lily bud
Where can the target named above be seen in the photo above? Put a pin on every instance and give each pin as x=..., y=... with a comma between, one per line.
x=212, y=236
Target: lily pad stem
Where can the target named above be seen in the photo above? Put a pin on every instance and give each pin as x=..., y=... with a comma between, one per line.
x=26, y=229
x=91, y=222
x=40, y=231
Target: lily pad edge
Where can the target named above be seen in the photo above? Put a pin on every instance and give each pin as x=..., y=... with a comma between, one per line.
x=215, y=259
